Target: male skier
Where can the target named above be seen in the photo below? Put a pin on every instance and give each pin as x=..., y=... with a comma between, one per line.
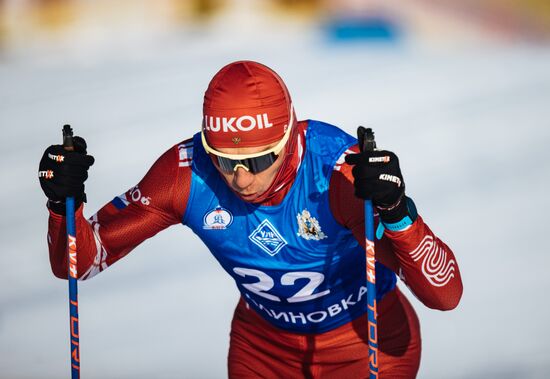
x=279, y=203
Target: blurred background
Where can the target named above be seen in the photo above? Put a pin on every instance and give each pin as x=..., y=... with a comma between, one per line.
x=460, y=89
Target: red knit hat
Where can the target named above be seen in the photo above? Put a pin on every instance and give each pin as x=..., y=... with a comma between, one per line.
x=246, y=105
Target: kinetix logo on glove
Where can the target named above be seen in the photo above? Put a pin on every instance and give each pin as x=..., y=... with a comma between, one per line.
x=47, y=174
x=384, y=159
x=58, y=158
x=390, y=178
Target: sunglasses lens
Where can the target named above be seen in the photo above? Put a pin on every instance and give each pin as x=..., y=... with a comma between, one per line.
x=254, y=165
x=225, y=164
x=260, y=163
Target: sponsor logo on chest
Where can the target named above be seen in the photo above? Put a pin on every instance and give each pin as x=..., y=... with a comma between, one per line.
x=217, y=219
x=267, y=238
x=308, y=227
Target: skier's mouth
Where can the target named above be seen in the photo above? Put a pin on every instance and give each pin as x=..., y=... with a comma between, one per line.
x=251, y=196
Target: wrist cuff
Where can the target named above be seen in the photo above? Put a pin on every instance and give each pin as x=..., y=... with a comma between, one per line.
x=58, y=207
x=393, y=227
x=394, y=213
x=410, y=214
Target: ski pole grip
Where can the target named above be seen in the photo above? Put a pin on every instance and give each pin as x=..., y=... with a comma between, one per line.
x=68, y=137
x=366, y=139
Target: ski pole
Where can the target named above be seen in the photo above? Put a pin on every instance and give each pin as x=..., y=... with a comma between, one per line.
x=368, y=144
x=73, y=272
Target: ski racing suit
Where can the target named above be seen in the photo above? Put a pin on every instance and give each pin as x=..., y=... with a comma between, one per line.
x=298, y=259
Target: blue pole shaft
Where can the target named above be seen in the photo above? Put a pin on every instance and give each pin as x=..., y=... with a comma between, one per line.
x=73, y=289
x=371, y=290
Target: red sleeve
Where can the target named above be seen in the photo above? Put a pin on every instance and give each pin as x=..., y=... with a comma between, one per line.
x=157, y=202
x=422, y=261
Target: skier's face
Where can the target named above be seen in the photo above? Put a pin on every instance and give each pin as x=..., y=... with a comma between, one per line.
x=251, y=186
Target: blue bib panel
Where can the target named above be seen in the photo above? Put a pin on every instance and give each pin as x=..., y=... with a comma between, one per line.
x=293, y=263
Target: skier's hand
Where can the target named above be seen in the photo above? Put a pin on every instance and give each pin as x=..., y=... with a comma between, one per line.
x=62, y=174
x=377, y=177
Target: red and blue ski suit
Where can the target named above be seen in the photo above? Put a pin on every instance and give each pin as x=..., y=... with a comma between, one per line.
x=296, y=258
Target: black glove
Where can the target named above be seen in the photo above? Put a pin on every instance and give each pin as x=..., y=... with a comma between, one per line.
x=62, y=174
x=377, y=177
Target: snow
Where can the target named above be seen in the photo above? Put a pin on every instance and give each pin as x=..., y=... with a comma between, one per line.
x=470, y=125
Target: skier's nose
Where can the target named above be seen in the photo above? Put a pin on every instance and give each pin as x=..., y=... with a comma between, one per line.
x=242, y=178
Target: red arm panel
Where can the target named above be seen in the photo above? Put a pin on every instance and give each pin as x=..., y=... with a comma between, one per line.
x=157, y=202
x=422, y=261
x=427, y=266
